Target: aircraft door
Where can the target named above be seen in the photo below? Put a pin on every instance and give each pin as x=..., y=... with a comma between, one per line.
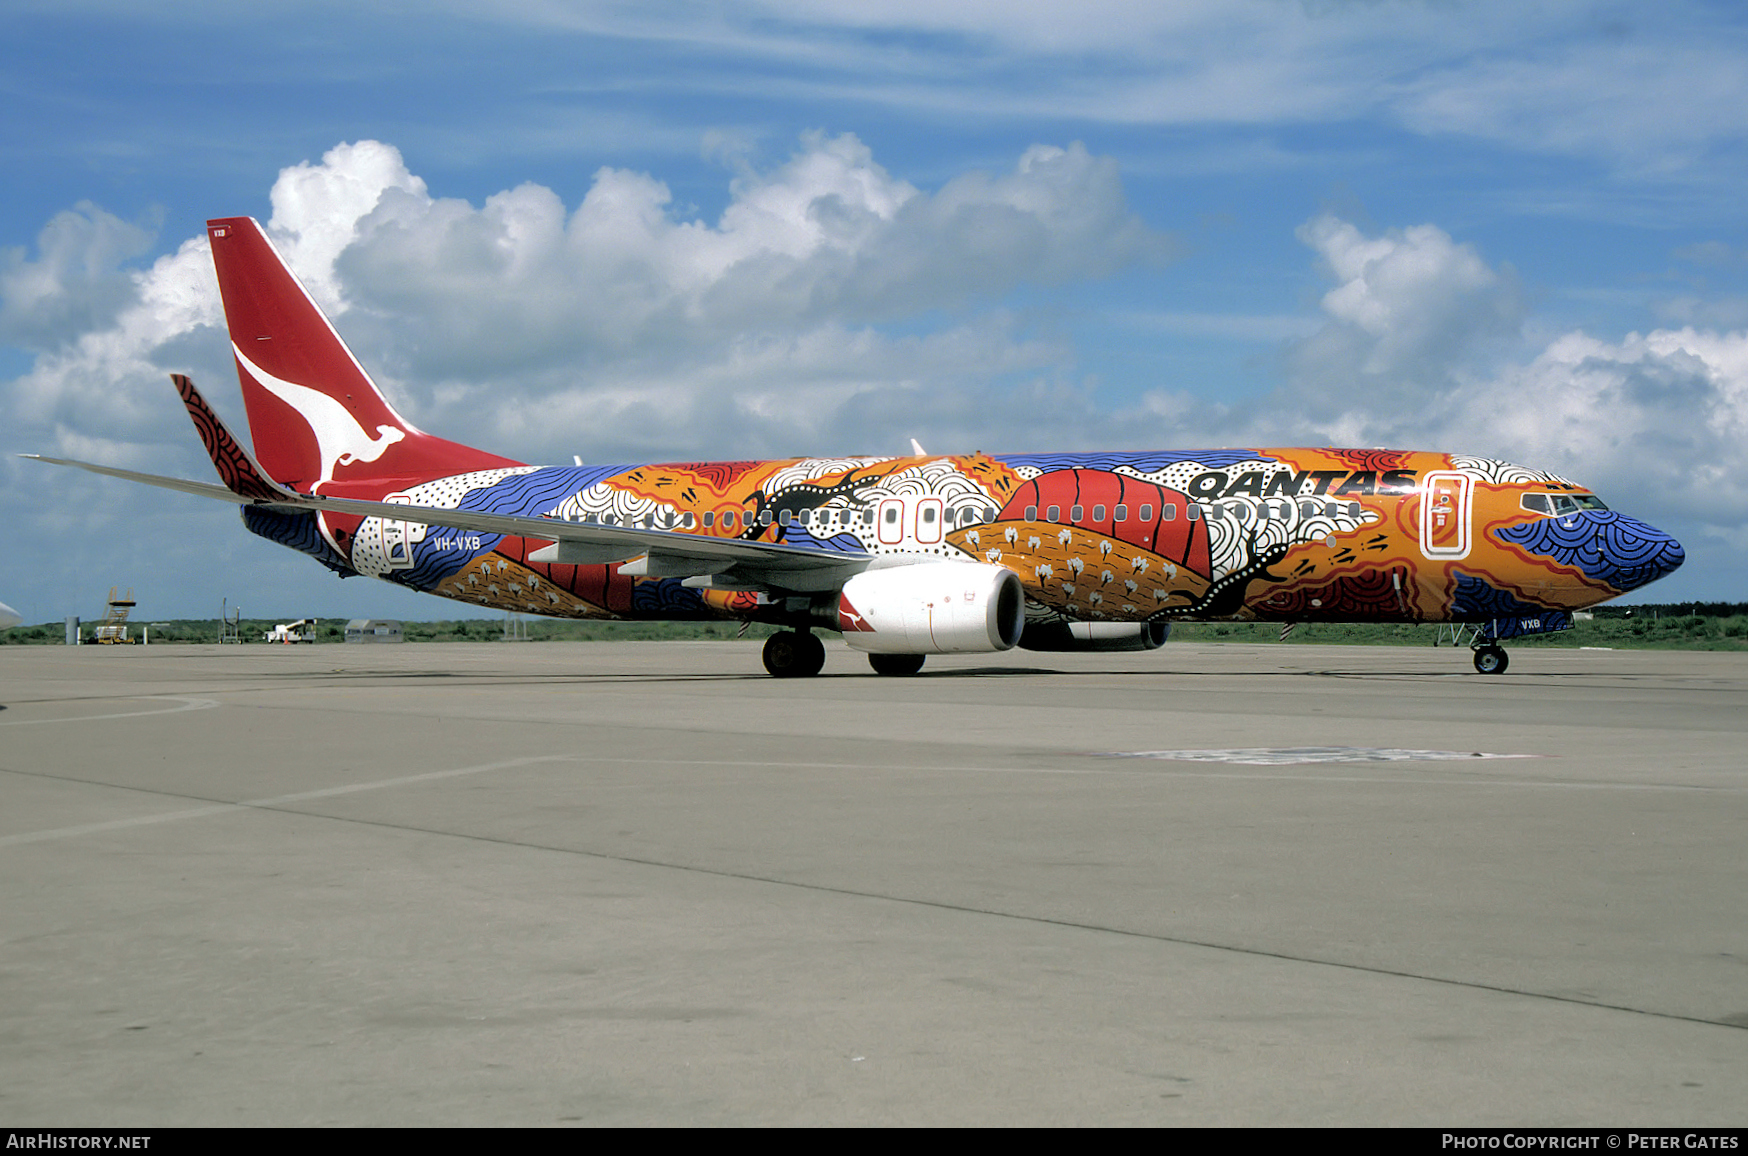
x=398, y=537
x=891, y=521
x=1446, y=506
x=929, y=512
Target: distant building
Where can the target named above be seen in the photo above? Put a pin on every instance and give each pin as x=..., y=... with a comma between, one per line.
x=373, y=630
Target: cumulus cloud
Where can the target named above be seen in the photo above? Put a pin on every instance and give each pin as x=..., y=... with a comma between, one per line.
x=1410, y=312
x=109, y=380
x=616, y=323
x=1410, y=355
x=522, y=282
x=76, y=283
x=1657, y=419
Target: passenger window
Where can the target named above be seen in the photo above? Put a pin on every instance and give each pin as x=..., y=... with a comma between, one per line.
x=1121, y=513
x=1031, y=513
x=1098, y=513
x=688, y=520
x=784, y=517
x=892, y=515
x=1076, y=513
x=709, y=518
x=1194, y=513
x=728, y=519
x=1053, y=514
x=1147, y=513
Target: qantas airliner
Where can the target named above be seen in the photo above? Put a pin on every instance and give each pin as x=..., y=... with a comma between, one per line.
x=905, y=556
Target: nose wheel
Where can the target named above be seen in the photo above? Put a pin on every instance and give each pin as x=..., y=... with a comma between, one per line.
x=1491, y=660
x=794, y=654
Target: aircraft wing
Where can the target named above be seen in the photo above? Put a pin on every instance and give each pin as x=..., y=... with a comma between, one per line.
x=645, y=552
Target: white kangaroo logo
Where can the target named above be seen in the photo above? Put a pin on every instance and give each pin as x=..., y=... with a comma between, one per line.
x=340, y=440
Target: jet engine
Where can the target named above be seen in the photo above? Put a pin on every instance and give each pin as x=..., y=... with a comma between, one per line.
x=933, y=608
x=1094, y=636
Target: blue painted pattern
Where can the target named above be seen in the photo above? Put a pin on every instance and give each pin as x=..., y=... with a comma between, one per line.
x=535, y=493
x=1478, y=600
x=1605, y=546
x=1144, y=463
x=794, y=535
x=297, y=531
x=668, y=598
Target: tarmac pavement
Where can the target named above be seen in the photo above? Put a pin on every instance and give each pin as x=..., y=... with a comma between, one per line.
x=642, y=883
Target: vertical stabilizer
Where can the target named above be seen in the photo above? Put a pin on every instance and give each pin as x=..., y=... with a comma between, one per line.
x=315, y=415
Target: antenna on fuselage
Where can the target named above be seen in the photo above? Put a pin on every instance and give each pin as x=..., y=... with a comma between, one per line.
x=916, y=448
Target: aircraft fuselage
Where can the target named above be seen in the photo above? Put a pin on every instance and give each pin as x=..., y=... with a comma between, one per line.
x=1270, y=534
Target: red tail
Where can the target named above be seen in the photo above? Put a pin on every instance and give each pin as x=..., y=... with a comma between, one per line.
x=315, y=415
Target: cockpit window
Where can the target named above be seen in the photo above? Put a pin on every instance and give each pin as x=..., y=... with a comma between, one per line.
x=1560, y=504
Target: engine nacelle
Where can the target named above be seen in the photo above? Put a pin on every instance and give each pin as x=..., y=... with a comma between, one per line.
x=933, y=608
x=1095, y=636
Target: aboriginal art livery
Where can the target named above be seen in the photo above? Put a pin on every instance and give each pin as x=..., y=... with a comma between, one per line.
x=905, y=556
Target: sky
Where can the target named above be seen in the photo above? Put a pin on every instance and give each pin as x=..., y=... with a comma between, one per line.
x=673, y=231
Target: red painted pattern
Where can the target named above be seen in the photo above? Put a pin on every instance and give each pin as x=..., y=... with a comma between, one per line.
x=1183, y=541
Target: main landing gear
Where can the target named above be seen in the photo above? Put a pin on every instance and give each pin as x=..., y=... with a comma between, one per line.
x=1491, y=659
x=794, y=654
x=897, y=664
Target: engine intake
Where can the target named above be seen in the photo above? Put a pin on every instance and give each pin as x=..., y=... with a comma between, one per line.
x=933, y=608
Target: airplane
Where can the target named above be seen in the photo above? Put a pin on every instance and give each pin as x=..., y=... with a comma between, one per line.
x=9, y=617
x=907, y=556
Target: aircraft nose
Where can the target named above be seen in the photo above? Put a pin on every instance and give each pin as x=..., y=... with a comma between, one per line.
x=1636, y=553
x=1611, y=549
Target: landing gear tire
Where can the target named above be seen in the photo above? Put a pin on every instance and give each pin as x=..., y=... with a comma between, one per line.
x=1491, y=660
x=898, y=664
x=792, y=654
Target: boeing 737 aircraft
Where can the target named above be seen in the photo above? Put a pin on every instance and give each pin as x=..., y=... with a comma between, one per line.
x=905, y=556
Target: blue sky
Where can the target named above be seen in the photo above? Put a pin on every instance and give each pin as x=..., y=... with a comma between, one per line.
x=633, y=231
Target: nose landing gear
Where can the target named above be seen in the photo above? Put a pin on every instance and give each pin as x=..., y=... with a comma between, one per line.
x=1491, y=659
x=1484, y=637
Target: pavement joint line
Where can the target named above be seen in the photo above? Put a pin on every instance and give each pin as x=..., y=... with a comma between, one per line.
x=187, y=702
x=217, y=807
x=272, y=803
x=280, y=804
x=1042, y=920
x=1130, y=933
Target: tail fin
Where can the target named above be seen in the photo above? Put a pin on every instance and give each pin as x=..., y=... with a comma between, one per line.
x=315, y=414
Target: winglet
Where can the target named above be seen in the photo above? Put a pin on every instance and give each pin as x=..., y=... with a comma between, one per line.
x=237, y=468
